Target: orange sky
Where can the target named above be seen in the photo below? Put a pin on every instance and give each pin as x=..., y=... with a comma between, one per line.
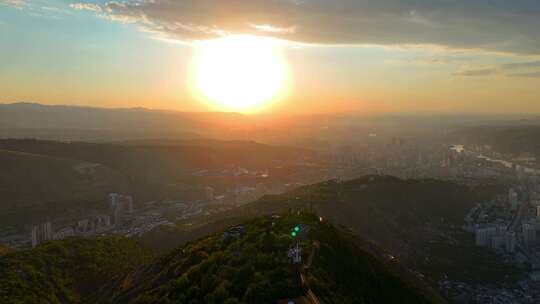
x=71, y=55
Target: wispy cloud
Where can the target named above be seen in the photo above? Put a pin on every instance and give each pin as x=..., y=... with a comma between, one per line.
x=14, y=3
x=38, y=8
x=526, y=74
x=86, y=6
x=521, y=65
x=529, y=69
x=476, y=72
x=501, y=26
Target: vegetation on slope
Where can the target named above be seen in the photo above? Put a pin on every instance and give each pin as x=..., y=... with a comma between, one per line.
x=418, y=221
x=29, y=180
x=164, y=239
x=412, y=219
x=4, y=249
x=161, y=158
x=149, y=170
x=73, y=270
x=255, y=269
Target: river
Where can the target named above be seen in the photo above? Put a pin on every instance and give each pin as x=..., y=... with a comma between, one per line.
x=461, y=148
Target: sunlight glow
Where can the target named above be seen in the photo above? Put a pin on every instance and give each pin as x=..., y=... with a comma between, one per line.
x=239, y=73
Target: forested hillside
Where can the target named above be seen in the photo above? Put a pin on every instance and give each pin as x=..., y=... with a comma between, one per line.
x=31, y=180
x=74, y=270
x=249, y=267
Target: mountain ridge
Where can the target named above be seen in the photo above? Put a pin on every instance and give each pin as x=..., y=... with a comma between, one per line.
x=252, y=267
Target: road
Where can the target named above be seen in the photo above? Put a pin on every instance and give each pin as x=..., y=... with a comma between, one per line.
x=309, y=293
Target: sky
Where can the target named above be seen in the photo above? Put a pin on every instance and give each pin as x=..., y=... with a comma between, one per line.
x=343, y=55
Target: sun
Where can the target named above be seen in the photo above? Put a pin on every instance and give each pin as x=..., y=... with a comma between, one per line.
x=238, y=73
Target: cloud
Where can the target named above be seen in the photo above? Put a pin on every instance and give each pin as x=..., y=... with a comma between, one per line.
x=521, y=65
x=476, y=72
x=20, y=4
x=526, y=74
x=86, y=6
x=38, y=8
x=529, y=69
x=494, y=25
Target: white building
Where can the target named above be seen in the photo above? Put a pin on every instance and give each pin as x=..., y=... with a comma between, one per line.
x=113, y=200
x=483, y=235
x=118, y=204
x=41, y=233
x=295, y=254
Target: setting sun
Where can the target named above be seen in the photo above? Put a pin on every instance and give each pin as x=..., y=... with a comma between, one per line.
x=238, y=73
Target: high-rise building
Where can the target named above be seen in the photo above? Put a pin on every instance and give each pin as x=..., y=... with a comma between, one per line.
x=128, y=202
x=113, y=200
x=118, y=204
x=116, y=216
x=41, y=233
x=529, y=235
x=513, y=199
x=498, y=241
x=209, y=193
x=510, y=241
x=483, y=235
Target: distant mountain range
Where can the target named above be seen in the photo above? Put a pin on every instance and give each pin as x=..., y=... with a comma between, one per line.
x=32, y=120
